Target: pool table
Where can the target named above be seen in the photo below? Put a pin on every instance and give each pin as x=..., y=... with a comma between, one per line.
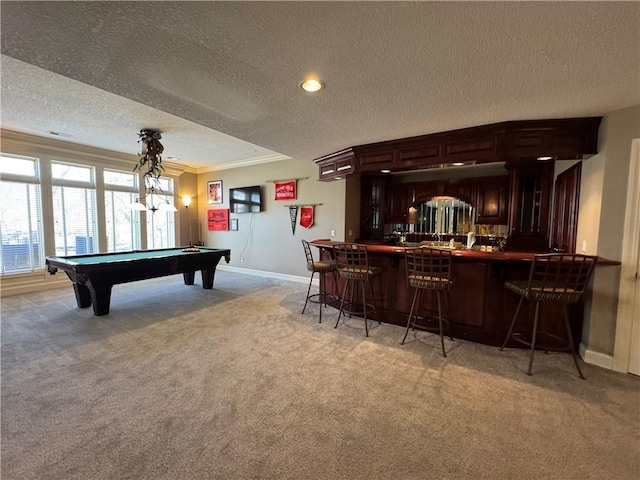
x=94, y=275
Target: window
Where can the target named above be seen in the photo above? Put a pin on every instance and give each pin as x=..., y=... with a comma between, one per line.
x=74, y=209
x=72, y=206
x=21, y=230
x=161, y=224
x=122, y=223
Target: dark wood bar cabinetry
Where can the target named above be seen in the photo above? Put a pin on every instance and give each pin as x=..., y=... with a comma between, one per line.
x=519, y=199
x=479, y=308
x=401, y=177
x=566, y=139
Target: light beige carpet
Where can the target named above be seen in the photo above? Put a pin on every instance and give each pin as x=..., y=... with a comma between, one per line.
x=234, y=383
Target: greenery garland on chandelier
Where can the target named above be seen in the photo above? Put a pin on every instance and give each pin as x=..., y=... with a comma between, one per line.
x=151, y=160
x=151, y=153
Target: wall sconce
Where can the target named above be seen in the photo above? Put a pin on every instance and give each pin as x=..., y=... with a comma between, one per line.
x=186, y=199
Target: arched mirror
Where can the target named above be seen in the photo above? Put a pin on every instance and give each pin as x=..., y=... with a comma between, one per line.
x=442, y=215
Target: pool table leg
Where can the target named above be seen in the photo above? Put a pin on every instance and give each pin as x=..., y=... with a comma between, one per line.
x=207, y=278
x=189, y=277
x=83, y=297
x=101, y=298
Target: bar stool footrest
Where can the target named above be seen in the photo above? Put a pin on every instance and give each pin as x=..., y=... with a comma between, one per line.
x=346, y=309
x=325, y=299
x=520, y=337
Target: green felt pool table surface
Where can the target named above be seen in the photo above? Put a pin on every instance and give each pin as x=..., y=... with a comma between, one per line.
x=98, y=258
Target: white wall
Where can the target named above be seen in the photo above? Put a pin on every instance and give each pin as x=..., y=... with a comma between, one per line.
x=603, y=192
x=264, y=239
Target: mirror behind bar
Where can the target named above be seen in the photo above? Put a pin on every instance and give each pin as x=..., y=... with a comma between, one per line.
x=444, y=218
x=442, y=215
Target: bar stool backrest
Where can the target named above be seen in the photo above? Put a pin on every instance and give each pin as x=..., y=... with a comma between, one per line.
x=428, y=264
x=308, y=254
x=560, y=277
x=352, y=260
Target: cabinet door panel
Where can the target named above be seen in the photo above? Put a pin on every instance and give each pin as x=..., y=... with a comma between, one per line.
x=492, y=201
x=565, y=210
x=398, y=204
x=371, y=208
x=529, y=208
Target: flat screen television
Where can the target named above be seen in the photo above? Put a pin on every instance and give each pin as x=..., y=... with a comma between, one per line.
x=245, y=199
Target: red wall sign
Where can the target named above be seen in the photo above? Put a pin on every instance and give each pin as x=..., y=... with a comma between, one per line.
x=286, y=190
x=218, y=219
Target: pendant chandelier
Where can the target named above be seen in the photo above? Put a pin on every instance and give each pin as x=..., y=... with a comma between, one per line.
x=154, y=198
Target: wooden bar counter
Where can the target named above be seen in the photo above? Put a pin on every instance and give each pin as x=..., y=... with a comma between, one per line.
x=479, y=308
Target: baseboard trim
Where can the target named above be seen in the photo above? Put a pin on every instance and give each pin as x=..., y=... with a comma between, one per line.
x=41, y=281
x=31, y=282
x=263, y=273
x=596, y=358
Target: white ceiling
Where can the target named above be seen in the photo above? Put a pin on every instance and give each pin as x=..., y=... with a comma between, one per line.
x=220, y=79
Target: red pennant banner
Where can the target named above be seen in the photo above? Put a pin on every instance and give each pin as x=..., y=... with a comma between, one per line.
x=286, y=190
x=306, y=216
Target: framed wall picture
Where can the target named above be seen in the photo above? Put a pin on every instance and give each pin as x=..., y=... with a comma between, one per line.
x=214, y=191
x=233, y=225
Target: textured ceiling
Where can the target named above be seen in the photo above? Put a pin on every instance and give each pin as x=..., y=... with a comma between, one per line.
x=220, y=79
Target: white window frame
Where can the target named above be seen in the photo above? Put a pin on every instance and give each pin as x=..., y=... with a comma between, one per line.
x=48, y=150
x=135, y=190
x=34, y=179
x=89, y=185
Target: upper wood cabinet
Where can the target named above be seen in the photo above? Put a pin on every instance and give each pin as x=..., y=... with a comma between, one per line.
x=462, y=189
x=491, y=201
x=397, y=204
x=529, y=197
x=566, y=197
x=372, y=199
x=336, y=165
x=374, y=161
x=510, y=142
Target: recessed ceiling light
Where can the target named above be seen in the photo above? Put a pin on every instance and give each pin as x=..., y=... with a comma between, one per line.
x=385, y=171
x=457, y=164
x=311, y=85
x=545, y=158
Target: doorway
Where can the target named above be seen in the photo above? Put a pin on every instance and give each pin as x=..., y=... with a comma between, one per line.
x=626, y=356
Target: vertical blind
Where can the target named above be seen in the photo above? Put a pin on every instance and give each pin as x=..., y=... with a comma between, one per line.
x=74, y=209
x=21, y=228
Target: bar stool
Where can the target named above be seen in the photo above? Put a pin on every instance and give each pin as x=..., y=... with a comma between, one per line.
x=320, y=267
x=428, y=269
x=554, y=278
x=353, y=266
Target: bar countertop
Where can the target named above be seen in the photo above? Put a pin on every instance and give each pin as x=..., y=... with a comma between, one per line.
x=462, y=254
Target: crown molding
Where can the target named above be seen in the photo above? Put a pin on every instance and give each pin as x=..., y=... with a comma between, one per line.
x=29, y=144
x=277, y=157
